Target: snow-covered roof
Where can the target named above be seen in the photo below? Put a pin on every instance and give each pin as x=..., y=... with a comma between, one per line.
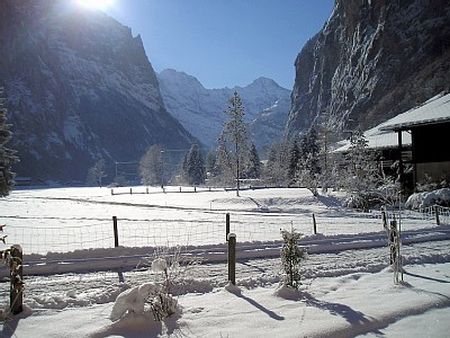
x=435, y=110
x=378, y=139
x=384, y=135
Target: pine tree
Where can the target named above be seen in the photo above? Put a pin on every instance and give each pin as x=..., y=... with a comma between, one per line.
x=361, y=177
x=276, y=171
x=309, y=169
x=210, y=163
x=294, y=162
x=235, y=131
x=253, y=167
x=224, y=166
x=151, y=166
x=7, y=155
x=291, y=255
x=194, y=166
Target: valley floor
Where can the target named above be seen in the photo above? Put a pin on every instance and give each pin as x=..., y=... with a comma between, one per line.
x=345, y=292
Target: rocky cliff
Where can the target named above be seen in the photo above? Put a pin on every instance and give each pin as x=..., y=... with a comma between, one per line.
x=201, y=110
x=372, y=60
x=79, y=87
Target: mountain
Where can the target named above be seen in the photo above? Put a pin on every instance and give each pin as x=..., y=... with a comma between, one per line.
x=201, y=110
x=79, y=87
x=372, y=60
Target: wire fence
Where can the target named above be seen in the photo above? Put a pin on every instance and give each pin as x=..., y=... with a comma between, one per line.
x=205, y=229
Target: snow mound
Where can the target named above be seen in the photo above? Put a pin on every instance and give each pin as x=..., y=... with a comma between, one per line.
x=427, y=199
x=159, y=265
x=131, y=325
x=286, y=292
x=132, y=300
x=189, y=285
x=231, y=288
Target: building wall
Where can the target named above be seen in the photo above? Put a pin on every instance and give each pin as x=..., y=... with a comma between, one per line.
x=436, y=171
x=431, y=152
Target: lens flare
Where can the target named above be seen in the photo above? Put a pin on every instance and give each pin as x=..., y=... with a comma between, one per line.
x=96, y=4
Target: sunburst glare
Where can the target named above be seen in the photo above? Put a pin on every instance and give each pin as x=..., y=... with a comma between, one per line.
x=96, y=4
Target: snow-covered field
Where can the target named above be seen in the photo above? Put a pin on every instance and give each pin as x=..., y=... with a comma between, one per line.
x=347, y=289
x=67, y=219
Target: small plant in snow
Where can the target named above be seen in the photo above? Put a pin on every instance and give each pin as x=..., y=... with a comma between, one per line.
x=162, y=303
x=156, y=298
x=171, y=267
x=291, y=255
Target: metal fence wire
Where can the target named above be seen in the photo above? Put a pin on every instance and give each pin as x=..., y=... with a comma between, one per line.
x=206, y=230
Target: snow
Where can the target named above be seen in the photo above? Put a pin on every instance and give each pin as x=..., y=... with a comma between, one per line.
x=347, y=289
x=68, y=219
x=429, y=198
x=345, y=306
x=132, y=300
x=159, y=265
x=436, y=109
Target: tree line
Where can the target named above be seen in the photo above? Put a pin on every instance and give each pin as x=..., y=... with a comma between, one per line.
x=302, y=161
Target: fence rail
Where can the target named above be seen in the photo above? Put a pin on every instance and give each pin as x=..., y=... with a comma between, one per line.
x=209, y=229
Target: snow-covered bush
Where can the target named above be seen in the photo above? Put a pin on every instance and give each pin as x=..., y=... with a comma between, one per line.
x=429, y=184
x=157, y=297
x=133, y=300
x=291, y=255
x=427, y=199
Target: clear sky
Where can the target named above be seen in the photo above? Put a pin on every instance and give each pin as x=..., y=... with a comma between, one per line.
x=225, y=42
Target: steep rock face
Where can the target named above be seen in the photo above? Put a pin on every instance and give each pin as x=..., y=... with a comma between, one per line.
x=79, y=87
x=372, y=60
x=201, y=110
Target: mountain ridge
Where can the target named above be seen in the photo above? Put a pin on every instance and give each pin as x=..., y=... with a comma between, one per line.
x=201, y=110
x=80, y=87
x=371, y=61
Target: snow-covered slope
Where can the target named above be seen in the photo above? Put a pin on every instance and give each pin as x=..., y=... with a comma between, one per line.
x=201, y=110
x=79, y=86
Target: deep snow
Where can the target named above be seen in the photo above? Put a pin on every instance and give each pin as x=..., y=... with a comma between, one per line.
x=347, y=288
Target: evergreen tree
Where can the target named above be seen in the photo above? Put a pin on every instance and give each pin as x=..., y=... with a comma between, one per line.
x=276, y=170
x=7, y=155
x=253, y=167
x=236, y=132
x=151, y=166
x=194, y=166
x=361, y=177
x=223, y=166
x=291, y=255
x=294, y=162
x=210, y=164
x=309, y=170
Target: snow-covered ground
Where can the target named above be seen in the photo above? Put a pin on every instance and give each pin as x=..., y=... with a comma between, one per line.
x=67, y=219
x=347, y=289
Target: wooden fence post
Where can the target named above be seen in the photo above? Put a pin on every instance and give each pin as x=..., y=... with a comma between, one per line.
x=436, y=213
x=195, y=189
x=146, y=190
x=16, y=274
x=116, y=234
x=384, y=219
x=227, y=226
x=393, y=234
x=131, y=191
x=180, y=189
x=112, y=191
x=232, y=258
x=314, y=224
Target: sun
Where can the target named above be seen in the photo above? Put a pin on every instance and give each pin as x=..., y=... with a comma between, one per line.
x=96, y=4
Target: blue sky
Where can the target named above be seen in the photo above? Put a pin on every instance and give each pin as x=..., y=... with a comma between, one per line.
x=225, y=42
